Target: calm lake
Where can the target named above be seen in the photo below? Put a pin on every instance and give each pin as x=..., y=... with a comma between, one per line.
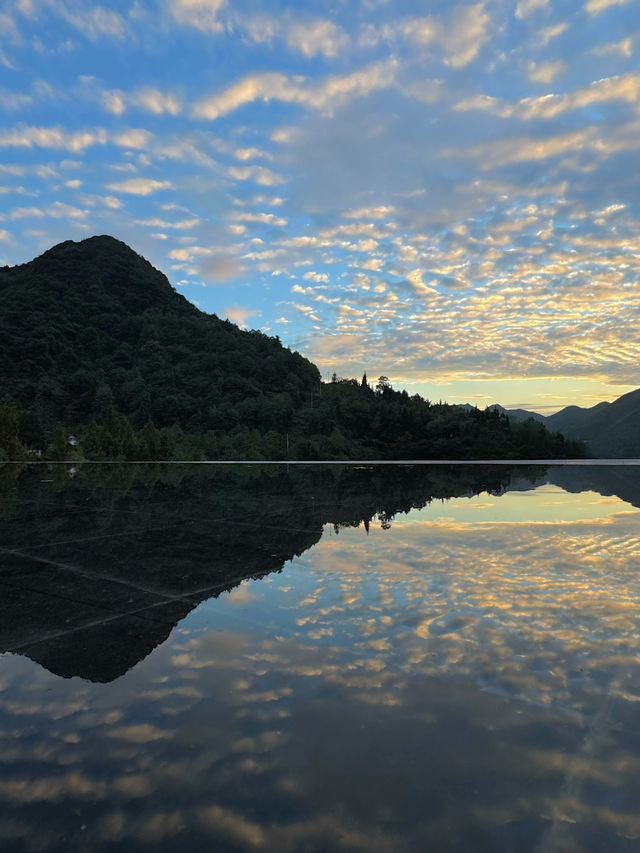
x=320, y=658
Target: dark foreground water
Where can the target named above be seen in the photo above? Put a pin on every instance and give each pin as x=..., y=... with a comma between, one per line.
x=375, y=659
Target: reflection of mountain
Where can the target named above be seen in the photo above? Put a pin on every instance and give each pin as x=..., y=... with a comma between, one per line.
x=623, y=481
x=97, y=570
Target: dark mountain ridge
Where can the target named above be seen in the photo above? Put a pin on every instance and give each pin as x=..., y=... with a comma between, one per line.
x=94, y=341
x=518, y=414
x=92, y=324
x=608, y=429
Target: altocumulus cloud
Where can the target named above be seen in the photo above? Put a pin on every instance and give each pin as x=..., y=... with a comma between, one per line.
x=463, y=167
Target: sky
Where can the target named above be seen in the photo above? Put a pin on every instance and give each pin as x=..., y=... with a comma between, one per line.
x=443, y=193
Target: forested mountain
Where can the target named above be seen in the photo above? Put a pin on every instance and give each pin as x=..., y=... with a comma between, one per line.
x=608, y=429
x=92, y=325
x=94, y=341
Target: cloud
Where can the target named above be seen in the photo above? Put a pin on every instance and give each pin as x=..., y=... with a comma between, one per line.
x=181, y=225
x=546, y=34
x=25, y=136
x=379, y=212
x=330, y=93
x=460, y=37
x=314, y=37
x=544, y=72
x=309, y=37
x=237, y=314
x=220, y=267
x=594, y=7
x=94, y=23
x=259, y=174
x=619, y=88
x=133, y=138
x=4, y=60
x=315, y=276
x=244, y=154
x=425, y=91
x=259, y=28
x=203, y=15
x=109, y=201
x=624, y=47
x=374, y=264
x=417, y=284
x=57, y=210
x=148, y=98
x=14, y=100
x=139, y=186
x=264, y=218
x=528, y=7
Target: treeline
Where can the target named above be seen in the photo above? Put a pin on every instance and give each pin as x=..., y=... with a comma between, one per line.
x=100, y=358
x=346, y=419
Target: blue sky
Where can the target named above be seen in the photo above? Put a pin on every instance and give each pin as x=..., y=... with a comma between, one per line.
x=447, y=194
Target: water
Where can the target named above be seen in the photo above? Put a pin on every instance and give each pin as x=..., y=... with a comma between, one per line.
x=320, y=658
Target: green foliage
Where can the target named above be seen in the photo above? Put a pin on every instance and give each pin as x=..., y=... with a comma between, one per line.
x=92, y=326
x=58, y=448
x=10, y=446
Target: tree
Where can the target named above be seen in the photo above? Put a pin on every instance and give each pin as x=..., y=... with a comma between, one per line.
x=102, y=401
x=9, y=443
x=383, y=384
x=58, y=449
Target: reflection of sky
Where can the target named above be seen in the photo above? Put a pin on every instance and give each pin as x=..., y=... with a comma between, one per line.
x=548, y=504
x=467, y=680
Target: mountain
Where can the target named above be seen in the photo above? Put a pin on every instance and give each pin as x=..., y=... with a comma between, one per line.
x=91, y=325
x=95, y=344
x=519, y=414
x=609, y=430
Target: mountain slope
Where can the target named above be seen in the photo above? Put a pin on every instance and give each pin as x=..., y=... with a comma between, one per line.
x=94, y=340
x=608, y=429
x=91, y=325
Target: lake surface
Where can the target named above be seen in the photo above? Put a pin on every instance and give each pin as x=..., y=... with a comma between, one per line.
x=378, y=658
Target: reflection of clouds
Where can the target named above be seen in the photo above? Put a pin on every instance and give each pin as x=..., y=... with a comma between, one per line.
x=428, y=656
x=141, y=733
x=241, y=594
x=514, y=605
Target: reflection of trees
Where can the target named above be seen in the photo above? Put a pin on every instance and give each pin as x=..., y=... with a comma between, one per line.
x=99, y=567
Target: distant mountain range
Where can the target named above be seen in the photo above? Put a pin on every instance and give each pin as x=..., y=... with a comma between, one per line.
x=609, y=430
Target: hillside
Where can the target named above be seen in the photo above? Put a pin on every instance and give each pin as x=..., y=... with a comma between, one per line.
x=91, y=325
x=94, y=341
x=608, y=429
